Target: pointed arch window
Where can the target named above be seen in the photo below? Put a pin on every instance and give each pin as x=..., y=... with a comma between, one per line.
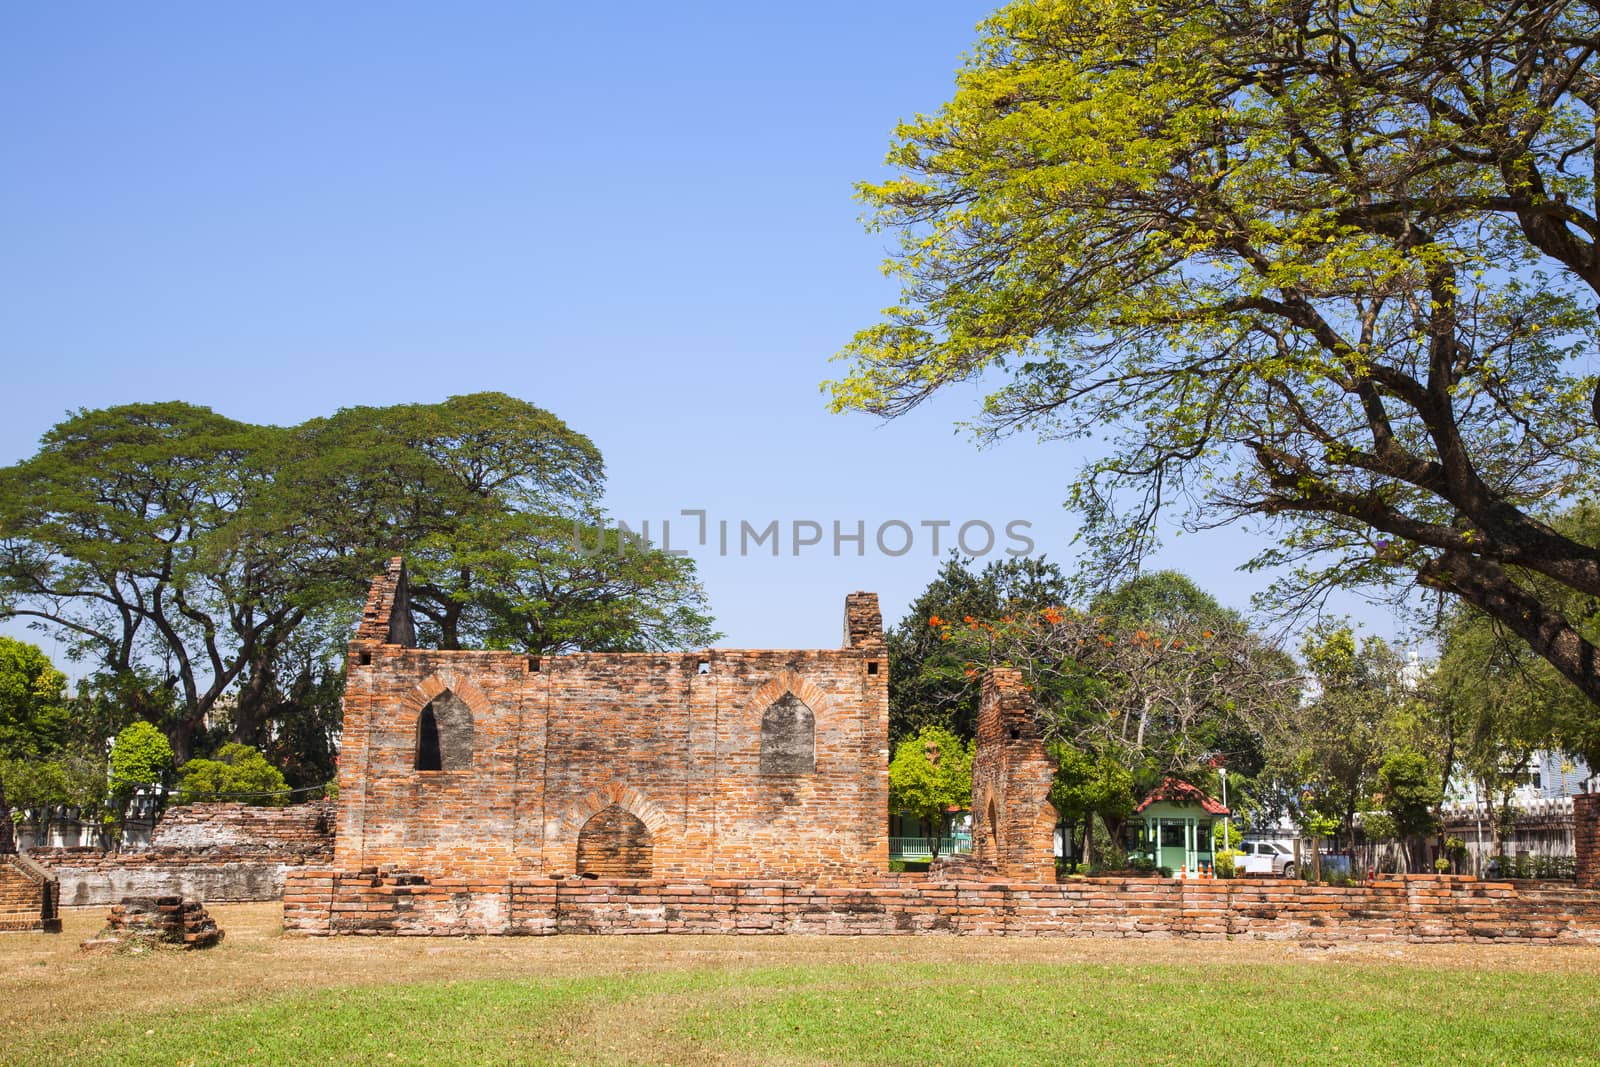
x=444, y=735
x=788, y=737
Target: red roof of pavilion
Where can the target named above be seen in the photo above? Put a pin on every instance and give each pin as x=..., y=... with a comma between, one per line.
x=1181, y=792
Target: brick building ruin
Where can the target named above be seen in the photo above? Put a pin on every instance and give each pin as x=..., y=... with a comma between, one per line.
x=719, y=763
x=740, y=791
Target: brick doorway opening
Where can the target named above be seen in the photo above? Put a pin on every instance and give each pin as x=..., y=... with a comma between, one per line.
x=614, y=843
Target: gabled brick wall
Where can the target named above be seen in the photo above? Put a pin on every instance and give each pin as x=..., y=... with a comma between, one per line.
x=673, y=740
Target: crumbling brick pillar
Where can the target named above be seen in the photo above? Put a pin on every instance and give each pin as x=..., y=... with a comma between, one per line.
x=1586, y=838
x=1013, y=822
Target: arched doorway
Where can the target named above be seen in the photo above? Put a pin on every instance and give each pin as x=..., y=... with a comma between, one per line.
x=614, y=843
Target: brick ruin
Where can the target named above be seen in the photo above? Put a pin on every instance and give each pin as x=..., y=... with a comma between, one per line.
x=151, y=921
x=713, y=764
x=212, y=852
x=746, y=792
x=1013, y=822
x=29, y=894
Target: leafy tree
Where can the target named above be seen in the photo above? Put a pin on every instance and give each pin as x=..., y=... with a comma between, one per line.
x=33, y=706
x=1327, y=753
x=140, y=757
x=238, y=772
x=1161, y=695
x=1411, y=793
x=203, y=563
x=1090, y=785
x=1327, y=267
x=118, y=533
x=930, y=774
x=928, y=683
x=494, y=504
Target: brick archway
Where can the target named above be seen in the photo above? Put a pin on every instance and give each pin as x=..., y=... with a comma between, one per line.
x=615, y=843
x=614, y=794
x=786, y=681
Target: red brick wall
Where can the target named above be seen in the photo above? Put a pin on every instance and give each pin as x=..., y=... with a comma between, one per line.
x=1586, y=838
x=1416, y=908
x=1013, y=823
x=673, y=739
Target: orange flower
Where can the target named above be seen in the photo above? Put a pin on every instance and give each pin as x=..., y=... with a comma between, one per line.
x=934, y=620
x=1207, y=634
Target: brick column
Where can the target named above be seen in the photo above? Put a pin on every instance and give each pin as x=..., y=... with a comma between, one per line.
x=1586, y=838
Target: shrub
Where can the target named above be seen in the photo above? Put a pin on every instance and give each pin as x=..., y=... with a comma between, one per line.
x=238, y=773
x=1442, y=865
x=1224, y=865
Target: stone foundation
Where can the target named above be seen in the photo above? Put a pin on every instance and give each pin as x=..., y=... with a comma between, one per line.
x=1421, y=908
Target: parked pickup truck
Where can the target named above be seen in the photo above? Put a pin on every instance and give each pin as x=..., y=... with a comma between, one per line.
x=1266, y=857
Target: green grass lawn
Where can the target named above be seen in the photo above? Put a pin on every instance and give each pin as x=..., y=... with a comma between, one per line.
x=881, y=1013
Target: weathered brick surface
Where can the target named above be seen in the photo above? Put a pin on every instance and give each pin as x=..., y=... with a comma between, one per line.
x=1415, y=908
x=214, y=852
x=29, y=895
x=1586, y=838
x=168, y=919
x=673, y=740
x=1013, y=822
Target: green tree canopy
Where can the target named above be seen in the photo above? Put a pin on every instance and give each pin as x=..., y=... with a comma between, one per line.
x=929, y=683
x=140, y=756
x=33, y=706
x=930, y=774
x=1331, y=267
x=236, y=773
x=194, y=558
x=1325, y=755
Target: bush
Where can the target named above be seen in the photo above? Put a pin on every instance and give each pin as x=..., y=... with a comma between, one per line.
x=1442, y=865
x=1224, y=865
x=238, y=773
x=1142, y=864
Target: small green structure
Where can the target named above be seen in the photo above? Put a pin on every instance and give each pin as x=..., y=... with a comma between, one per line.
x=1176, y=831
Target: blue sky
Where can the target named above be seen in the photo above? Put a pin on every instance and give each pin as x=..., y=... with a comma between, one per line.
x=637, y=216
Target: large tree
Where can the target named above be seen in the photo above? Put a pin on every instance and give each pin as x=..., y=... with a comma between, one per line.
x=191, y=555
x=1326, y=266
x=121, y=534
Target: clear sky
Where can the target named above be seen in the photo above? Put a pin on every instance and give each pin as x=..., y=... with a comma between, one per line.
x=638, y=216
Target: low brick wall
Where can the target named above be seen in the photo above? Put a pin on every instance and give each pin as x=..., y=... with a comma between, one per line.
x=209, y=852
x=1414, y=908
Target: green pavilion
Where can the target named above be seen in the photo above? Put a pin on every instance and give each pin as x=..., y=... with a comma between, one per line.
x=1176, y=831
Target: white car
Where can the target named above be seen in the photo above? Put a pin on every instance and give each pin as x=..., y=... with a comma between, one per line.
x=1266, y=857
